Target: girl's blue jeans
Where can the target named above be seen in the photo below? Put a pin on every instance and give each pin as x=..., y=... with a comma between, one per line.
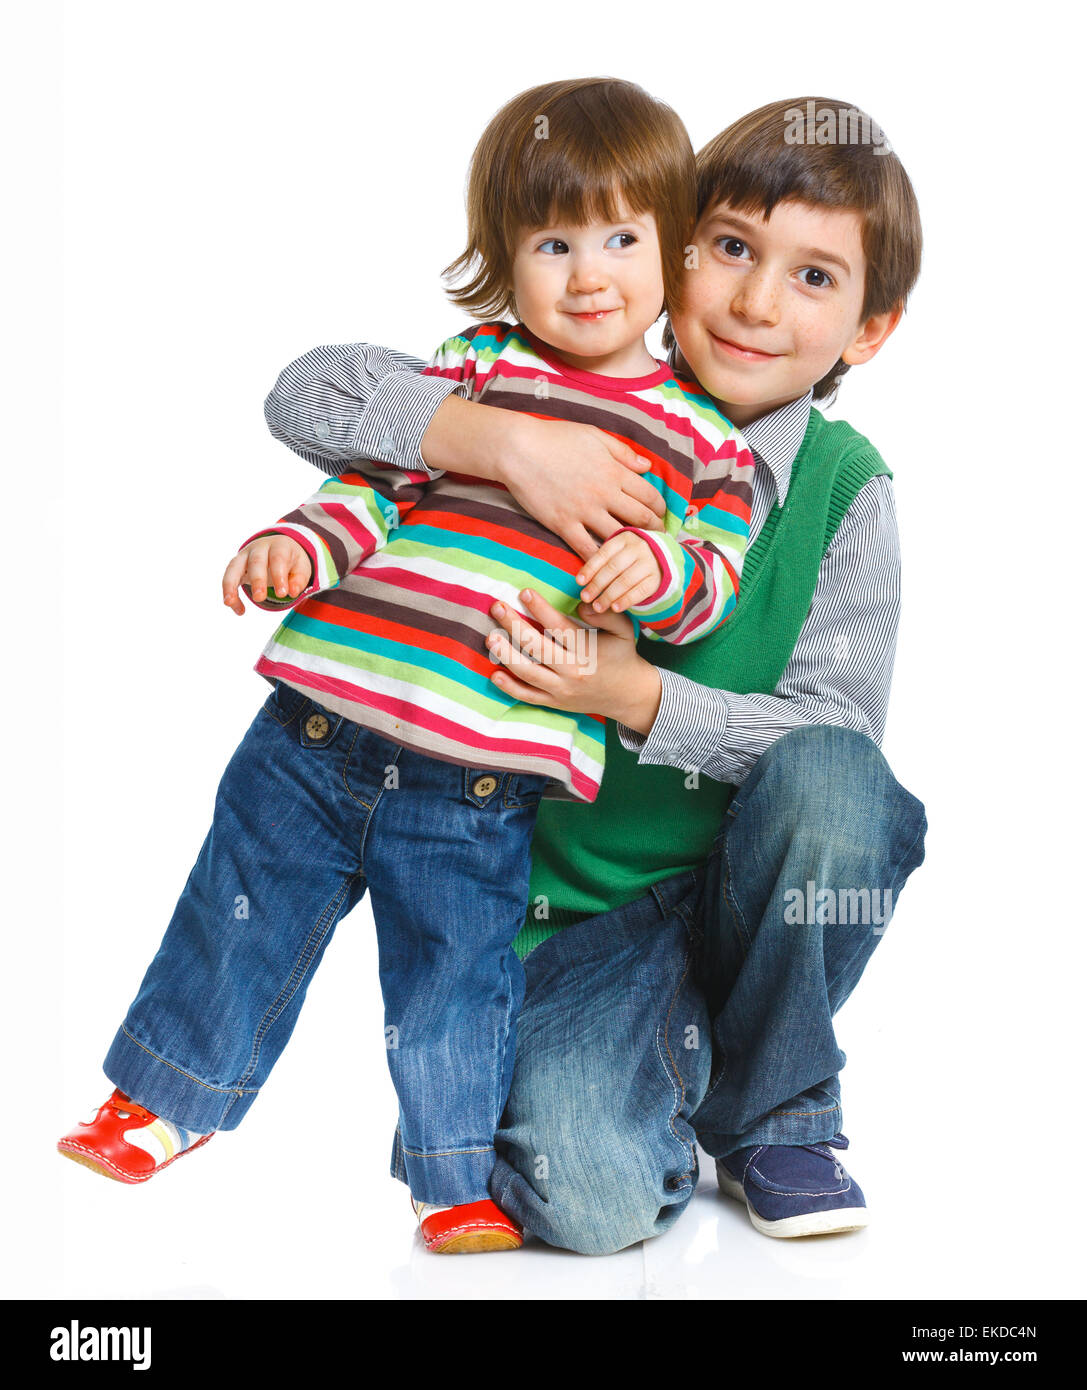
x=312, y=811
x=701, y=1011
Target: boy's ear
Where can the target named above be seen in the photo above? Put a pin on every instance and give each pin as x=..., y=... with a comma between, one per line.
x=871, y=336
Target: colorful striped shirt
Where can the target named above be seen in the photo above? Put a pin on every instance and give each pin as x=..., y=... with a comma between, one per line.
x=392, y=630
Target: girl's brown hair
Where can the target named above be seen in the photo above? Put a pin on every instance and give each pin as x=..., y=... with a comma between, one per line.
x=567, y=151
x=775, y=154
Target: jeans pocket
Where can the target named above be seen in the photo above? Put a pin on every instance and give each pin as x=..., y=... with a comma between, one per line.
x=318, y=726
x=480, y=785
x=524, y=789
x=284, y=703
x=484, y=786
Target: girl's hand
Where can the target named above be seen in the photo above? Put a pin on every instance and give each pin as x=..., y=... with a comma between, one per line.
x=275, y=559
x=622, y=572
x=586, y=672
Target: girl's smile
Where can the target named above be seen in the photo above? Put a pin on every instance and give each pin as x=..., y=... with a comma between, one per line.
x=592, y=292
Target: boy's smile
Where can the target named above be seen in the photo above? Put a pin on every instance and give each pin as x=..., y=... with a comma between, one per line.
x=773, y=303
x=592, y=292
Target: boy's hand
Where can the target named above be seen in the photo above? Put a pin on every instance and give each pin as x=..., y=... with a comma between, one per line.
x=623, y=571
x=275, y=560
x=579, y=481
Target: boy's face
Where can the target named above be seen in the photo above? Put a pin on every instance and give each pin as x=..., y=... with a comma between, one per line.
x=592, y=292
x=773, y=303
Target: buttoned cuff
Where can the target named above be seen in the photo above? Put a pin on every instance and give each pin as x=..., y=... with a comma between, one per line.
x=398, y=414
x=689, y=726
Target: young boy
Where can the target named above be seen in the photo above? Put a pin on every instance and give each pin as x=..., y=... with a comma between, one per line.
x=382, y=670
x=808, y=245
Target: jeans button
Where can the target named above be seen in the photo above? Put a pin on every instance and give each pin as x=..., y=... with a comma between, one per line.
x=317, y=727
x=483, y=786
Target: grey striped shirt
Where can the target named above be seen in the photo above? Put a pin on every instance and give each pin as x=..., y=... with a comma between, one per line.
x=357, y=400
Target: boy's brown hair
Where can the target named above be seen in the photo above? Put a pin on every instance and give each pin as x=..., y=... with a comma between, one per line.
x=782, y=152
x=562, y=152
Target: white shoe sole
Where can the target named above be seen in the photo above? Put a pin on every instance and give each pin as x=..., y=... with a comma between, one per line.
x=812, y=1223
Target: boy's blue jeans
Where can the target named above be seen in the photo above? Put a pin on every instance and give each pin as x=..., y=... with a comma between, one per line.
x=311, y=812
x=703, y=1009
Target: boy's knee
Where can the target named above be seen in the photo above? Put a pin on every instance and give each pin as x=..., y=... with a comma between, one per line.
x=598, y=1199
x=831, y=782
x=586, y=1231
x=825, y=751
x=609, y=1213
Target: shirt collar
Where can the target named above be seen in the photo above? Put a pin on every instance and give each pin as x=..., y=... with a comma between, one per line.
x=775, y=440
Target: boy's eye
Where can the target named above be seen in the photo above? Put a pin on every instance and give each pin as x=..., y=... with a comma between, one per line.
x=822, y=279
x=732, y=246
x=553, y=241
x=628, y=237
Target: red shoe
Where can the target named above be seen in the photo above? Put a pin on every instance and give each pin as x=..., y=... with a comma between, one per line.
x=468, y=1229
x=126, y=1142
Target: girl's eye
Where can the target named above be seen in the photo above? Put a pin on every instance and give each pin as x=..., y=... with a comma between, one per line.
x=821, y=281
x=628, y=237
x=554, y=241
x=732, y=246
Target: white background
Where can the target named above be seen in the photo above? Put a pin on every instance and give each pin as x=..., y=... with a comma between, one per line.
x=203, y=192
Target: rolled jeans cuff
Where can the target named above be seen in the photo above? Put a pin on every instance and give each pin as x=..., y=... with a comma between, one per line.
x=444, y=1179
x=171, y=1093
x=783, y=1126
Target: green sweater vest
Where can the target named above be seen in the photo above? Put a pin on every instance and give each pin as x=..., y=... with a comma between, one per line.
x=647, y=823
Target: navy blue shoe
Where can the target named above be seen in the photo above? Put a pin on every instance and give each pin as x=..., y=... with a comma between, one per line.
x=794, y=1189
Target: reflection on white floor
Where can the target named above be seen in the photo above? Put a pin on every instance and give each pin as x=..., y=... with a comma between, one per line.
x=224, y=1231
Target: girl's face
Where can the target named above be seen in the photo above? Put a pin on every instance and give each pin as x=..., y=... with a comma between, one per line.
x=592, y=292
